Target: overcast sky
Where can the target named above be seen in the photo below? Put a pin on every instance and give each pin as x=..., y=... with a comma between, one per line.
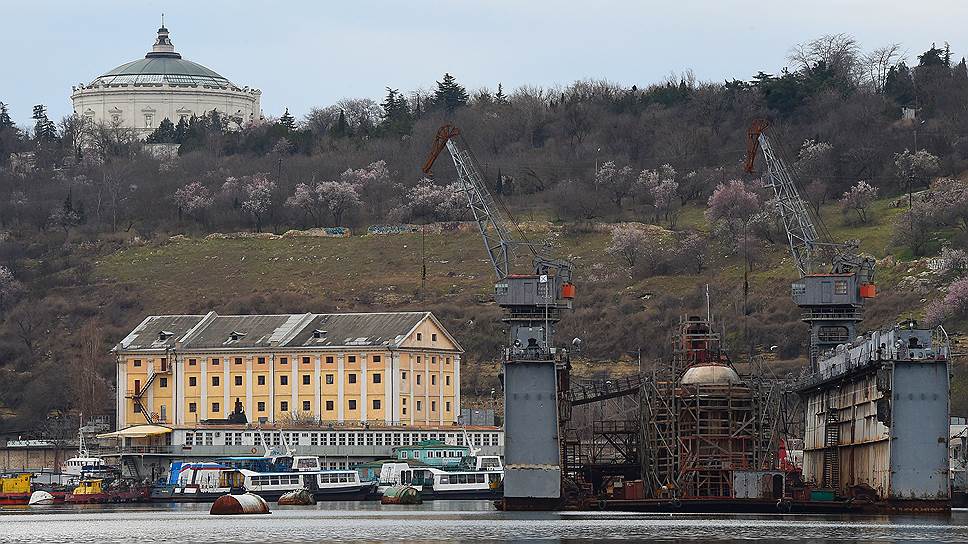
x=313, y=53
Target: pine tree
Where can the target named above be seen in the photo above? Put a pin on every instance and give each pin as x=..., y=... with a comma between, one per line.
x=5, y=121
x=341, y=129
x=450, y=95
x=900, y=85
x=164, y=134
x=499, y=96
x=44, y=129
x=397, y=119
x=181, y=131
x=288, y=121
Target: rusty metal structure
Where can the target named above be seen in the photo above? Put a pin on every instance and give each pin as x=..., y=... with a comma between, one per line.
x=703, y=426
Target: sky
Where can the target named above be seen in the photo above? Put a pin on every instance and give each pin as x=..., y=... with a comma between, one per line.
x=304, y=54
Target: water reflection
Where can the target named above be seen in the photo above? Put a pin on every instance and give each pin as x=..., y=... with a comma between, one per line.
x=451, y=521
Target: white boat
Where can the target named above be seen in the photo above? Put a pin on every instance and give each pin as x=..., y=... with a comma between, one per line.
x=83, y=463
x=323, y=484
x=40, y=498
x=482, y=480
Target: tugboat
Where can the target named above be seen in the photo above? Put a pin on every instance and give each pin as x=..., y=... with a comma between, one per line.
x=88, y=491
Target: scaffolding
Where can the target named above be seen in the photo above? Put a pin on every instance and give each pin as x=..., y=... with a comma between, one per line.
x=700, y=422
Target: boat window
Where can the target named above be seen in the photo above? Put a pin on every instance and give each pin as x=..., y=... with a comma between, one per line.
x=480, y=478
x=444, y=478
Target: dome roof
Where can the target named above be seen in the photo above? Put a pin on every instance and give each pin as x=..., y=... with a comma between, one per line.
x=710, y=375
x=162, y=65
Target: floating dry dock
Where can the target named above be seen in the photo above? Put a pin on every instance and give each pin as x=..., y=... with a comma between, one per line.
x=876, y=419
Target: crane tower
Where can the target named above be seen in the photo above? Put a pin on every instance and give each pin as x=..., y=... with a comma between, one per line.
x=831, y=303
x=535, y=371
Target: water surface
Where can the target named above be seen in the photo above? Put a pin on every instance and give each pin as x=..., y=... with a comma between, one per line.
x=451, y=521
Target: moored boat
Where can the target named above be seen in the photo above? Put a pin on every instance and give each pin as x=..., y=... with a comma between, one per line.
x=88, y=491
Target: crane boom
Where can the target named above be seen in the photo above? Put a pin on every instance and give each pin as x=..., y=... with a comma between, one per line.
x=797, y=222
x=497, y=239
x=831, y=302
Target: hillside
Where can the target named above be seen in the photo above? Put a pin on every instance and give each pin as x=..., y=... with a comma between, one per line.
x=642, y=186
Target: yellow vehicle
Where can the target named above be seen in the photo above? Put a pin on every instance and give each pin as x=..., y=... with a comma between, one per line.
x=11, y=485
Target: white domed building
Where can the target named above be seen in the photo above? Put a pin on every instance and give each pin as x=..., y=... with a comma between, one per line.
x=140, y=94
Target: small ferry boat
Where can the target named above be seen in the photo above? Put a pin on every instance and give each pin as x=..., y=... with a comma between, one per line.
x=270, y=476
x=197, y=482
x=481, y=478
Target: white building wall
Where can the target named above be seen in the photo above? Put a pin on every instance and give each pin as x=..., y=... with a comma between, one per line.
x=131, y=103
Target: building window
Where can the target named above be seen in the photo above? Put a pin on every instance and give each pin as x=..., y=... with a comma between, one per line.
x=418, y=379
x=305, y=360
x=214, y=362
x=284, y=360
x=192, y=362
x=377, y=359
x=329, y=379
x=377, y=378
x=403, y=375
x=283, y=380
x=192, y=407
x=418, y=359
x=403, y=401
x=433, y=379
x=261, y=406
x=238, y=380
x=329, y=359
x=376, y=404
x=447, y=406
x=215, y=381
x=192, y=381
x=307, y=379
x=419, y=336
x=447, y=361
x=260, y=379
x=329, y=406
x=137, y=386
x=433, y=406
x=419, y=406
x=351, y=377
x=137, y=407
x=284, y=406
x=352, y=358
x=446, y=380
x=238, y=360
x=433, y=360
x=137, y=362
x=262, y=360
x=149, y=119
x=162, y=382
x=403, y=411
x=352, y=404
x=433, y=337
x=306, y=406
x=215, y=407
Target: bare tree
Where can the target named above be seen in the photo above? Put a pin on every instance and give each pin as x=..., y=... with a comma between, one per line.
x=840, y=52
x=879, y=62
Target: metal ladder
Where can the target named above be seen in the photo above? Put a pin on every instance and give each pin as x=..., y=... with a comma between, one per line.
x=831, y=454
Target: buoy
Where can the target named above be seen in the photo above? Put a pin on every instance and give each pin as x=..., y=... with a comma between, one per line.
x=38, y=498
x=401, y=494
x=246, y=503
x=299, y=497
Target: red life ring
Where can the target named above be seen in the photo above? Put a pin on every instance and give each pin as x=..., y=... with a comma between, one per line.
x=253, y=450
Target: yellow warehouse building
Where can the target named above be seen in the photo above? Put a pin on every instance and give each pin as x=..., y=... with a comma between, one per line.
x=392, y=369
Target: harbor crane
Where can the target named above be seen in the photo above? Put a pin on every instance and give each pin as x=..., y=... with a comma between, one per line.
x=535, y=371
x=831, y=302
